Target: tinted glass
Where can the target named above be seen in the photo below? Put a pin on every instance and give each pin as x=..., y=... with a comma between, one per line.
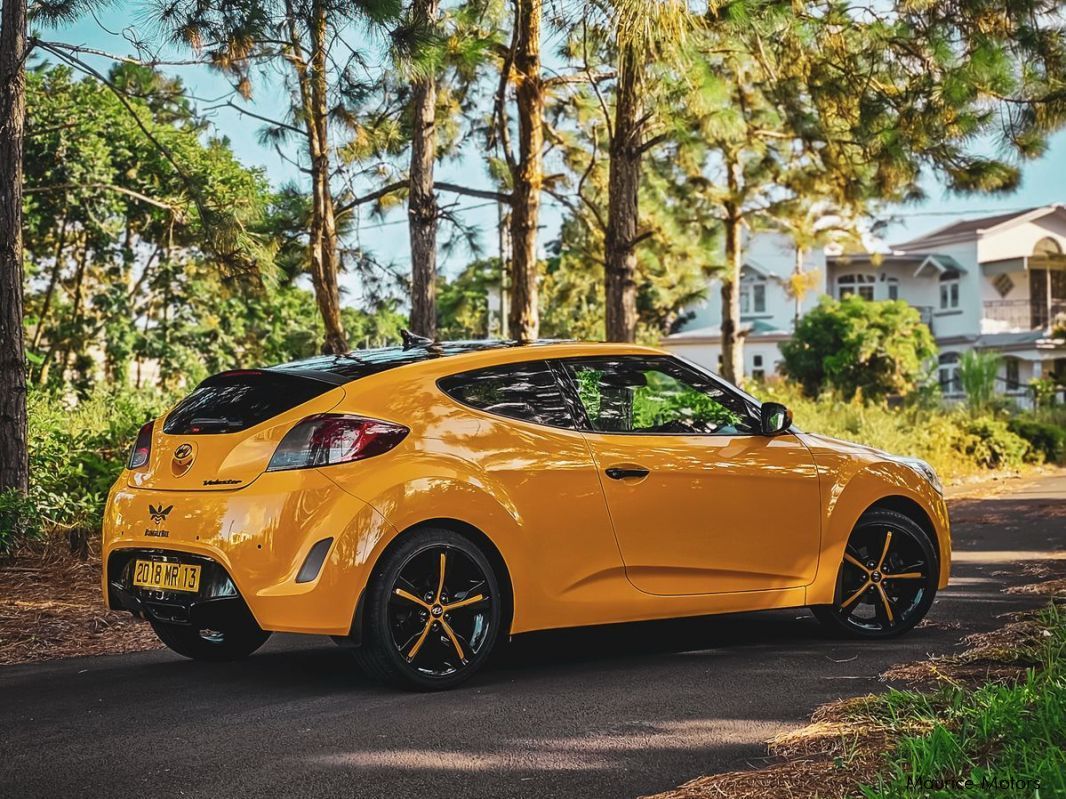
x=234, y=401
x=631, y=394
x=527, y=391
x=363, y=363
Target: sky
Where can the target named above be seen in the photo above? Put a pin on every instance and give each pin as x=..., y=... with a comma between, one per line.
x=1043, y=180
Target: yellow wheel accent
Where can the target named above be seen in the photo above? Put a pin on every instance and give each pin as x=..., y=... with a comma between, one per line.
x=856, y=595
x=470, y=600
x=440, y=584
x=855, y=562
x=884, y=552
x=421, y=640
x=455, y=641
x=411, y=598
x=887, y=604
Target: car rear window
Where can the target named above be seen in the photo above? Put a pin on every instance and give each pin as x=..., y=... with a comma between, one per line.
x=528, y=391
x=234, y=401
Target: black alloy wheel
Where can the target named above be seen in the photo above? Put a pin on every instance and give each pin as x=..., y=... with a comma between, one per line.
x=433, y=612
x=887, y=579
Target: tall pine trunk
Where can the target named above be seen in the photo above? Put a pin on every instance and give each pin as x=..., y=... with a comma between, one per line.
x=14, y=462
x=525, y=204
x=325, y=266
x=422, y=200
x=732, y=352
x=620, y=257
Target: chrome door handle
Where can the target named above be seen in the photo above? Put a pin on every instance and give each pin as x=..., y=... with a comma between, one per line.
x=622, y=472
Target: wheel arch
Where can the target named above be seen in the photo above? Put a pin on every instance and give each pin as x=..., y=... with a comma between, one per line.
x=913, y=511
x=473, y=534
x=879, y=485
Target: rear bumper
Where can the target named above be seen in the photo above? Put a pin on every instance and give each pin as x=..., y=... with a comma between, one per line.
x=217, y=604
x=258, y=538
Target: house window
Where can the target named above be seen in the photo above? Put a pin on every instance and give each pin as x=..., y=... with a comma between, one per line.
x=860, y=285
x=949, y=290
x=753, y=297
x=757, y=371
x=893, y=288
x=1013, y=380
x=948, y=373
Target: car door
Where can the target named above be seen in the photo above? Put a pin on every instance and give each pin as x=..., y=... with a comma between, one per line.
x=700, y=501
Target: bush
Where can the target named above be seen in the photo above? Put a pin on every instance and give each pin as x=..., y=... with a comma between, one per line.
x=855, y=346
x=952, y=441
x=989, y=443
x=77, y=451
x=1048, y=438
x=19, y=520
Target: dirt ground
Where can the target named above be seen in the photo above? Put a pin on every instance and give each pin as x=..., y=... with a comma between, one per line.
x=51, y=607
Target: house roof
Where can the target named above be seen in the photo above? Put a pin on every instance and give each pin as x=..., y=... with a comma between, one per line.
x=758, y=329
x=1023, y=339
x=971, y=228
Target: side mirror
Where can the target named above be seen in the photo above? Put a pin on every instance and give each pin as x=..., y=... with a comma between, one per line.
x=776, y=418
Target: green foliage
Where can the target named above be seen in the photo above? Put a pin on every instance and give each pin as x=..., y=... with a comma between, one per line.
x=977, y=373
x=993, y=732
x=19, y=520
x=854, y=346
x=953, y=441
x=462, y=303
x=1046, y=437
x=989, y=443
x=77, y=450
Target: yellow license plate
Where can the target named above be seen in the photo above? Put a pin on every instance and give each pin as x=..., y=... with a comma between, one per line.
x=160, y=576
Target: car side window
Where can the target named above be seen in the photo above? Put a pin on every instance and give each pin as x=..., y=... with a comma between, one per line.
x=637, y=394
x=528, y=391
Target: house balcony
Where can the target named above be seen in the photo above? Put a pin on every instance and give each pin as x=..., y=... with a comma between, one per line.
x=1015, y=316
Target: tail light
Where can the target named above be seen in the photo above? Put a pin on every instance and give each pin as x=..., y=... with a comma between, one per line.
x=330, y=438
x=142, y=447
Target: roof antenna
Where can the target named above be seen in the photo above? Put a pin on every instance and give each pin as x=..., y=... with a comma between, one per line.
x=412, y=340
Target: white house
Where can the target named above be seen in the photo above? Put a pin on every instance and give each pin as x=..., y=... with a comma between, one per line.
x=767, y=312
x=996, y=283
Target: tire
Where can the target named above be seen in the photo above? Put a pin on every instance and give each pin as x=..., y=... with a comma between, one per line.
x=425, y=629
x=886, y=581
x=236, y=641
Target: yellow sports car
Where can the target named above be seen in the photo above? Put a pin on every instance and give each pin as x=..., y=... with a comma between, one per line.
x=422, y=502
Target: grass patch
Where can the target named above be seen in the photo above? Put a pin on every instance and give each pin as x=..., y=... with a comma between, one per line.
x=1004, y=737
x=991, y=723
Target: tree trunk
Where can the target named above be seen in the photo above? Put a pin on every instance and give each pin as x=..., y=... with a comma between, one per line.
x=324, y=259
x=422, y=202
x=798, y=290
x=14, y=461
x=529, y=174
x=732, y=342
x=46, y=303
x=620, y=260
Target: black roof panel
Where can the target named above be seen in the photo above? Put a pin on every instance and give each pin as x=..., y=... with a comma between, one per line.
x=340, y=369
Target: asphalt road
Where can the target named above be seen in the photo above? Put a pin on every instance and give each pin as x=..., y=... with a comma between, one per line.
x=610, y=712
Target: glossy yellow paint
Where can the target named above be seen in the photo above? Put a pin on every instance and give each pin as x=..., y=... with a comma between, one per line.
x=721, y=524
